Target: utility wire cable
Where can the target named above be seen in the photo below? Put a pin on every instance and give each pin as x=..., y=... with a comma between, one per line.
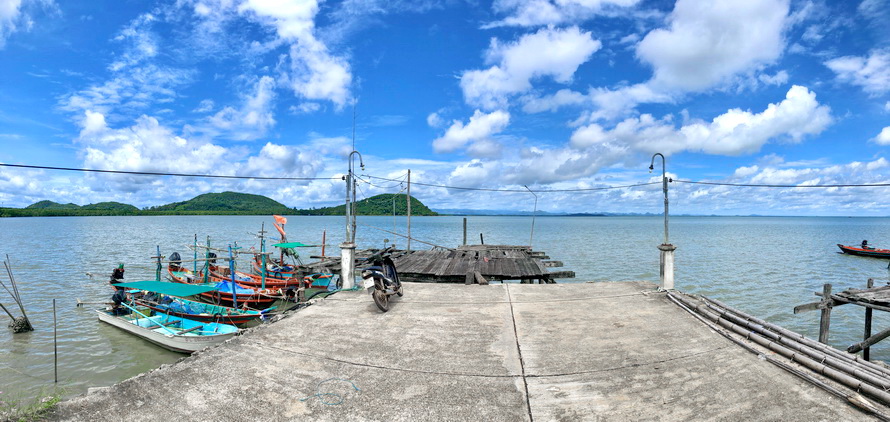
x=152, y=173
x=521, y=190
x=755, y=185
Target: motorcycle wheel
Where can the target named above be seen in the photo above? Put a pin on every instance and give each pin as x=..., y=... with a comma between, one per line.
x=381, y=299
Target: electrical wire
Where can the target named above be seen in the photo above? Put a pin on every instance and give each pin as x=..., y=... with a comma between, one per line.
x=754, y=185
x=521, y=190
x=152, y=173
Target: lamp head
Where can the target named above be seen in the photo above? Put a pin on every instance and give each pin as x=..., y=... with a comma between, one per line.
x=651, y=167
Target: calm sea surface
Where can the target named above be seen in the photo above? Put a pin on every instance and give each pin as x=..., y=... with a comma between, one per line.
x=761, y=265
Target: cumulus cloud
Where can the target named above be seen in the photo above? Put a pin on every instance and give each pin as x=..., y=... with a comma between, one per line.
x=552, y=12
x=479, y=129
x=871, y=73
x=549, y=52
x=253, y=119
x=314, y=73
x=732, y=133
x=707, y=43
x=150, y=146
x=14, y=16
x=883, y=138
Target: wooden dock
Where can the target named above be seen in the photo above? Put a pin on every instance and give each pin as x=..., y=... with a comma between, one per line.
x=469, y=264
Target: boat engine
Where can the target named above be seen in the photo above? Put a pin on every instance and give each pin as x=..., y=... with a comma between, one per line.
x=175, y=260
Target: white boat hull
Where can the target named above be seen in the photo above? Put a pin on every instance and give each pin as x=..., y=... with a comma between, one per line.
x=177, y=343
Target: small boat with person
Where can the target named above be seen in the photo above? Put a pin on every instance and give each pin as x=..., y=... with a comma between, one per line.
x=864, y=250
x=171, y=332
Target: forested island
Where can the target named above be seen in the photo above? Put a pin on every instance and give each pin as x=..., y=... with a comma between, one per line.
x=225, y=203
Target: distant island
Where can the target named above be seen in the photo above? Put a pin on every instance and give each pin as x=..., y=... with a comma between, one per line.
x=225, y=203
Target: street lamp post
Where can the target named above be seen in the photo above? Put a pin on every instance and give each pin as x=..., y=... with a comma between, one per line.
x=347, y=248
x=667, y=249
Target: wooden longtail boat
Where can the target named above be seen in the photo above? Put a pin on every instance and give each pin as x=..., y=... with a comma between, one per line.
x=170, y=332
x=872, y=252
x=222, y=294
x=311, y=281
x=167, y=298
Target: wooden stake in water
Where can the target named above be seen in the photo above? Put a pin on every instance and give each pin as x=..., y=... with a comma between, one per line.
x=55, y=346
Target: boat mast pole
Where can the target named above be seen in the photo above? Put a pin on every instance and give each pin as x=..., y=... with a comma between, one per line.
x=263, y=251
x=195, y=266
x=232, y=272
x=158, y=270
x=207, y=261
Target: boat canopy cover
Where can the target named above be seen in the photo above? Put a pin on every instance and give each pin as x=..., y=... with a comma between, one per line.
x=165, y=288
x=291, y=245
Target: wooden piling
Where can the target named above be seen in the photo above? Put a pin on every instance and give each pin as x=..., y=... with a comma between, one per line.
x=465, y=231
x=825, y=320
x=55, y=346
x=867, y=351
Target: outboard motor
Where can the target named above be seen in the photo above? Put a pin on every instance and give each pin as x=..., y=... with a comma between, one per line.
x=211, y=258
x=175, y=260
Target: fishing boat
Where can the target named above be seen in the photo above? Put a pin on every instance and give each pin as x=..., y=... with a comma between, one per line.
x=222, y=290
x=866, y=251
x=168, y=331
x=165, y=298
x=310, y=281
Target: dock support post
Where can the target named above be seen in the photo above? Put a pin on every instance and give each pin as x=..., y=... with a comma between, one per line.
x=825, y=320
x=866, y=352
x=347, y=265
x=465, y=231
x=667, y=265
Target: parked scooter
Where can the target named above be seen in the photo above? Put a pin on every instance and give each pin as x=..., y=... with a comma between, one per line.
x=381, y=278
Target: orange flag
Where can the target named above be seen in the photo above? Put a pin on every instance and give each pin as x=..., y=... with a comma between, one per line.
x=280, y=220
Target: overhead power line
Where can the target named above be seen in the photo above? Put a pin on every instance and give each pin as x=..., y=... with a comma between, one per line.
x=152, y=173
x=520, y=190
x=755, y=185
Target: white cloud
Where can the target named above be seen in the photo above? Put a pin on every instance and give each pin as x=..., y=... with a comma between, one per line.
x=14, y=16
x=561, y=98
x=204, y=106
x=255, y=116
x=480, y=128
x=130, y=91
x=780, y=78
x=314, y=73
x=732, y=133
x=550, y=52
x=871, y=73
x=305, y=108
x=10, y=11
x=707, y=43
x=552, y=12
x=887, y=106
x=883, y=138
x=143, y=44
x=434, y=120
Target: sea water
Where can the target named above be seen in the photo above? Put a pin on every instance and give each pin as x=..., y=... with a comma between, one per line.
x=762, y=265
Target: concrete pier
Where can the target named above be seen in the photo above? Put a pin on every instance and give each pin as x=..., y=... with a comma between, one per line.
x=598, y=352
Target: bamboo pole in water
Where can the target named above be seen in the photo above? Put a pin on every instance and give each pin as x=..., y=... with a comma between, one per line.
x=804, y=340
x=55, y=346
x=866, y=353
x=841, y=373
x=853, y=399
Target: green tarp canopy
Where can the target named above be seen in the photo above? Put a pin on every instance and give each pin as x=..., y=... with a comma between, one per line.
x=165, y=288
x=291, y=245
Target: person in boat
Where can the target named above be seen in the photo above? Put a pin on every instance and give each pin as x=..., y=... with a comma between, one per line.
x=865, y=244
x=117, y=275
x=118, y=299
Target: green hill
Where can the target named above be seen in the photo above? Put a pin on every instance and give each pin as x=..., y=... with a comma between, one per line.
x=111, y=206
x=376, y=205
x=50, y=205
x=227, y=202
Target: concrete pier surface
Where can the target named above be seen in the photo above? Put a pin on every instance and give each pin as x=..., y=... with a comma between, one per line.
x=594, y=351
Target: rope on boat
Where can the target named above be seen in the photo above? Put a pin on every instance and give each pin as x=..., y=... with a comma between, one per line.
x=321, y=396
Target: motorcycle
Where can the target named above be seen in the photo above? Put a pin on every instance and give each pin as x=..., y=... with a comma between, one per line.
x=381, y=279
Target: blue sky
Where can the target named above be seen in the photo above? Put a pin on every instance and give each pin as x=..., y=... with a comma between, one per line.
x=553, y=94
